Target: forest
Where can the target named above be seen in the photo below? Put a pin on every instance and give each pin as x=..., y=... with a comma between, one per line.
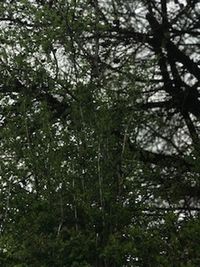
x=100, y=133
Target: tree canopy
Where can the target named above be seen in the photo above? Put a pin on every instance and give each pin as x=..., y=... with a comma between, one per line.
x=100, y=145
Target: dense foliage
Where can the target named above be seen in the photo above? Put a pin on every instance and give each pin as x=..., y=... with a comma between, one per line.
x=99, y=133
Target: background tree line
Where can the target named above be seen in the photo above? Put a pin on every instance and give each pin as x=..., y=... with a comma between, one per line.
x=99, y=133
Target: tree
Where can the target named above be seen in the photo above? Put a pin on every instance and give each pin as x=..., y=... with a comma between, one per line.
x=99, y=133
